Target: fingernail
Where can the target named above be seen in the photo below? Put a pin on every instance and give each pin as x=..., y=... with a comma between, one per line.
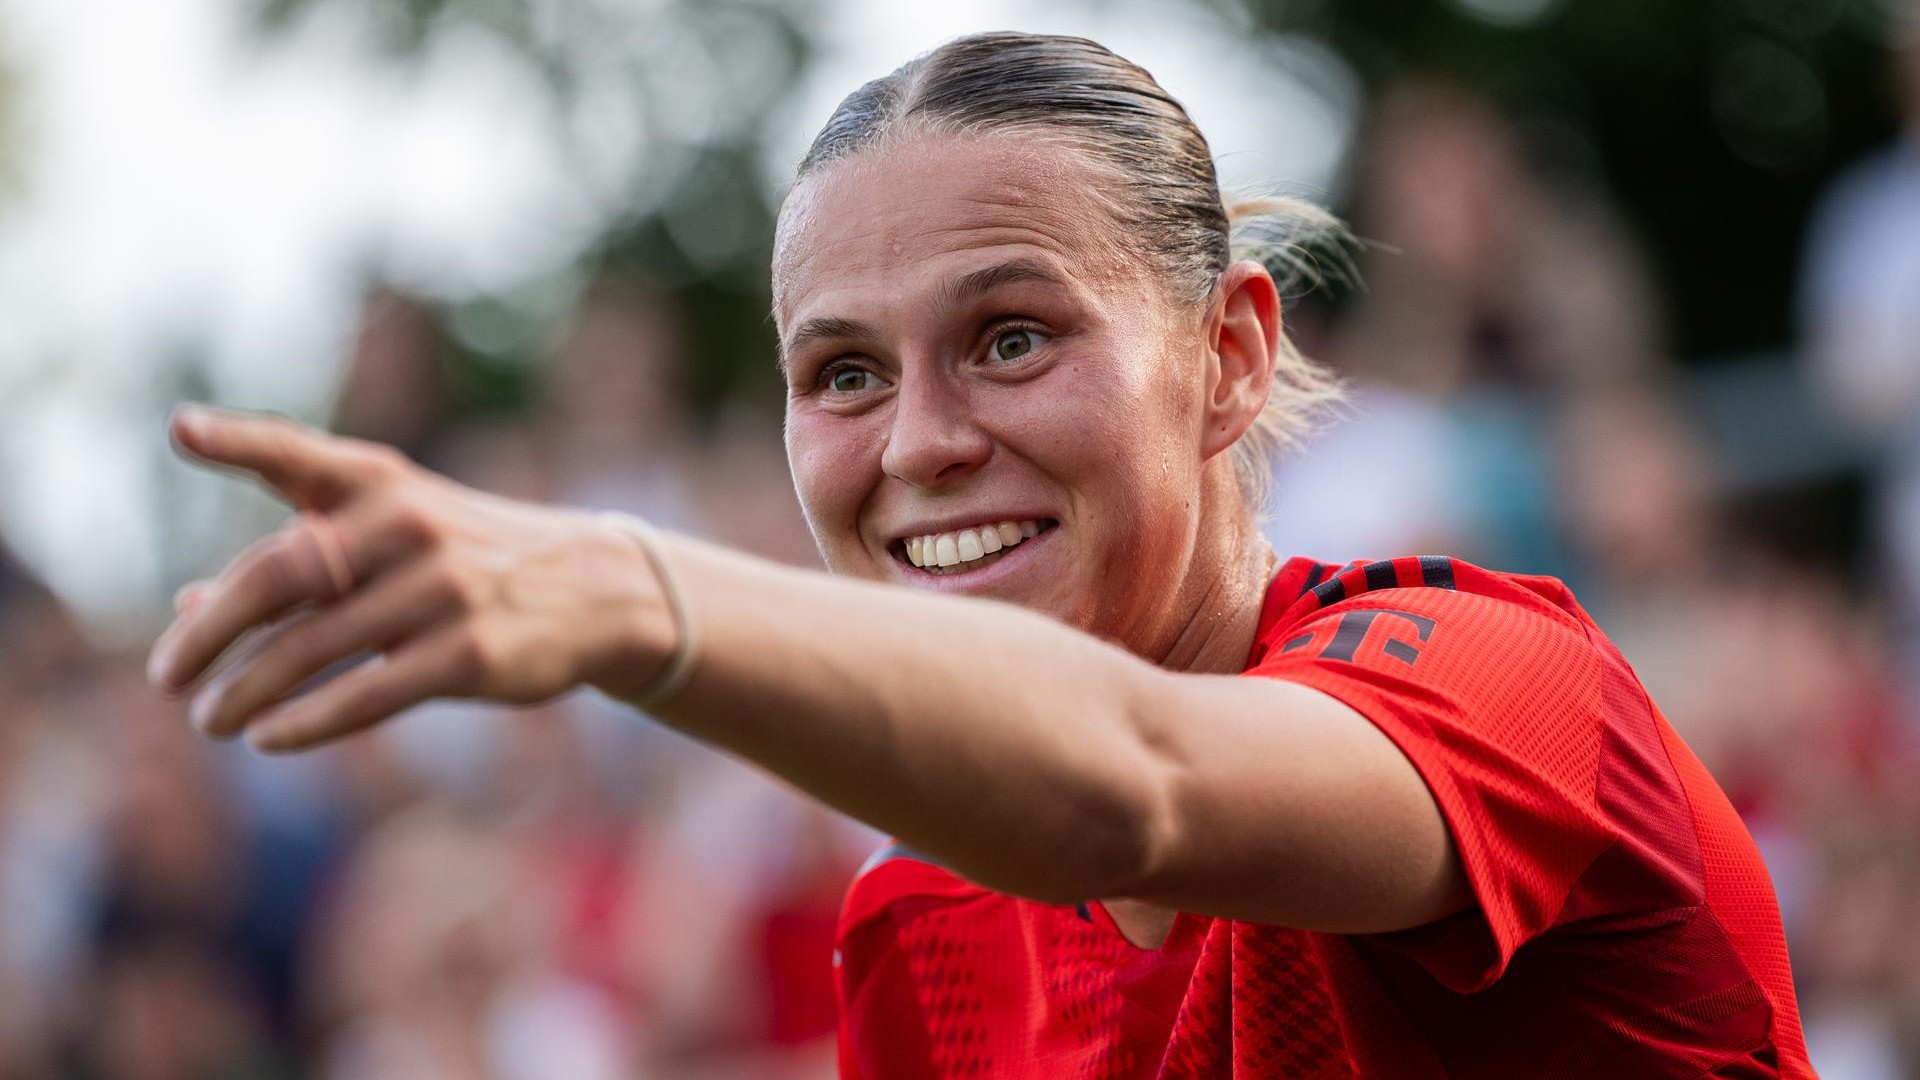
x=201, y=713
x=192, y=419
x=160, y=668
x=265, y=742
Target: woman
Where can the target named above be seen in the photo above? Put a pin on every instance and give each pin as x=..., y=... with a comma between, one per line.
x=1166, y=806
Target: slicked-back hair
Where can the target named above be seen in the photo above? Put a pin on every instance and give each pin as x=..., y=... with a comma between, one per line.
x=1164, y=193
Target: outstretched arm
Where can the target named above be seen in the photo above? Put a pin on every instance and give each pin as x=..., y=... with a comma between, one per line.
x=1028, y=756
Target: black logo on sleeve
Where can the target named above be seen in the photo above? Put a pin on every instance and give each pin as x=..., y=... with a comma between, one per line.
x=1354, y=625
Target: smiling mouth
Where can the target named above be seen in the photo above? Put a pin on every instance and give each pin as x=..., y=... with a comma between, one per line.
x=963, y=550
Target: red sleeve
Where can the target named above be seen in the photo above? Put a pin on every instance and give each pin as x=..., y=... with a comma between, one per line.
x=1497, y=704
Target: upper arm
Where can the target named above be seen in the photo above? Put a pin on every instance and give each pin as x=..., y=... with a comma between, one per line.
x=1282, y=804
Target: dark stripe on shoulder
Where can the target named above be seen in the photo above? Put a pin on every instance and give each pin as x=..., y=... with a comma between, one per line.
x=1331, y=591
x=1381, y=575
x=1314, y=574
x=1436, y=571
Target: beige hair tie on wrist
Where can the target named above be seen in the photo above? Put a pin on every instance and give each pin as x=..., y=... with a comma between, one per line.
x=679, y=668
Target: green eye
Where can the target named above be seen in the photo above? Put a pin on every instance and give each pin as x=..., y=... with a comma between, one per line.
x=851, y=380
x=1013, y=344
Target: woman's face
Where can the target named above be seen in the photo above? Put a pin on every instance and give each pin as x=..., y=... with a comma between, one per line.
x=966, y=345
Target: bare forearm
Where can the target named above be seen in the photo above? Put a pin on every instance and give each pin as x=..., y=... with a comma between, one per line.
x=990, y=737
x=1032, y=758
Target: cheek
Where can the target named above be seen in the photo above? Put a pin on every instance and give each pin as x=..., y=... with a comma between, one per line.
x=1138, y=458
x=1126, y=412
x=835, y=464
x=1104, y=438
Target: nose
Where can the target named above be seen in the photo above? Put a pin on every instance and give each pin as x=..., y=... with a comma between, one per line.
x=934, y=439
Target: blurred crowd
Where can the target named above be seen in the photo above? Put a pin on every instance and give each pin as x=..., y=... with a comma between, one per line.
x=572, y=892
x=547, y=894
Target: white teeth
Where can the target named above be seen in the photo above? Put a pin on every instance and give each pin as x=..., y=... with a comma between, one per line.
x=938, y=551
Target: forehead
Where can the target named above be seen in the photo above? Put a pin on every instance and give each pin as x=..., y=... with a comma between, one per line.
x=914, y=213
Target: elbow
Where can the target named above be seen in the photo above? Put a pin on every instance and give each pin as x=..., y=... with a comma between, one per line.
x=1133, y=826
x=1111, y=824
x=1119, y=852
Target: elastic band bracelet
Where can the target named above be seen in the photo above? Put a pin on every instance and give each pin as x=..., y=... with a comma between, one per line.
x=672, y=678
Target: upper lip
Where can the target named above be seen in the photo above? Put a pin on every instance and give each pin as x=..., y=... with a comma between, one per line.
x=956, y=522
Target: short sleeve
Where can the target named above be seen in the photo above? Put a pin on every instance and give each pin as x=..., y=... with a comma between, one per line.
x=1497, y=704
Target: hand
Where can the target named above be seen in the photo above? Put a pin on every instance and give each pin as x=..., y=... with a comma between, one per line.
x=464, y=594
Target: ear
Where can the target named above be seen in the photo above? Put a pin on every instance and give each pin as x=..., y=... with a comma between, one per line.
x=1243, y=337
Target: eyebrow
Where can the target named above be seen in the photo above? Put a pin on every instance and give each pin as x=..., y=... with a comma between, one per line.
x=827, y=326
x=951, y=294
x=980, y=282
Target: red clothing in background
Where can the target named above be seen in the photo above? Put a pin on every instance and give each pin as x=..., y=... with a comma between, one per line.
x=1625, y=926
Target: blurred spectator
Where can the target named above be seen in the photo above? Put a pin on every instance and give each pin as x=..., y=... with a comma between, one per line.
x=1860, y=310
x=394, y=388
x=1484, y=272
x=746, y=493
x=1489, y=293
x=49, y=857
x=615, y=417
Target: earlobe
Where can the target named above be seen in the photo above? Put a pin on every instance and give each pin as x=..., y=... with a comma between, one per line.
x=1244, y=340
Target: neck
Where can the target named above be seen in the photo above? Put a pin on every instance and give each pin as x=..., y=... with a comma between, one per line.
x=1227, y=586
x=1227, y=580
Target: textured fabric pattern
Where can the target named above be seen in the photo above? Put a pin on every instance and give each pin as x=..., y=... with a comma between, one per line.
x=1624, y=924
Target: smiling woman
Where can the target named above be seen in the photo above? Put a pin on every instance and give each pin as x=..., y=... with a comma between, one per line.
x=1166, y=805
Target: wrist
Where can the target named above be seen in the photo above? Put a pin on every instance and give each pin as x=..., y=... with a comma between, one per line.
x=653, y=637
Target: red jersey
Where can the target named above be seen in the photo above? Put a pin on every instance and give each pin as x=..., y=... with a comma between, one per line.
x=1624, y=924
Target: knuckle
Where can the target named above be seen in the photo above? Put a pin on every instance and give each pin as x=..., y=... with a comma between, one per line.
x=269, y=571
x=451, y=587
x=411, y=525
x=473, y=655
x=378, y=459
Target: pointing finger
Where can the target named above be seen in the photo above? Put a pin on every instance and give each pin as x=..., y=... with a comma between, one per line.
x=308, y=467
x=311, y=559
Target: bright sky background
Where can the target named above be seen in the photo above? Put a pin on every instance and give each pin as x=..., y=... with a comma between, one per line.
x=182, y=189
